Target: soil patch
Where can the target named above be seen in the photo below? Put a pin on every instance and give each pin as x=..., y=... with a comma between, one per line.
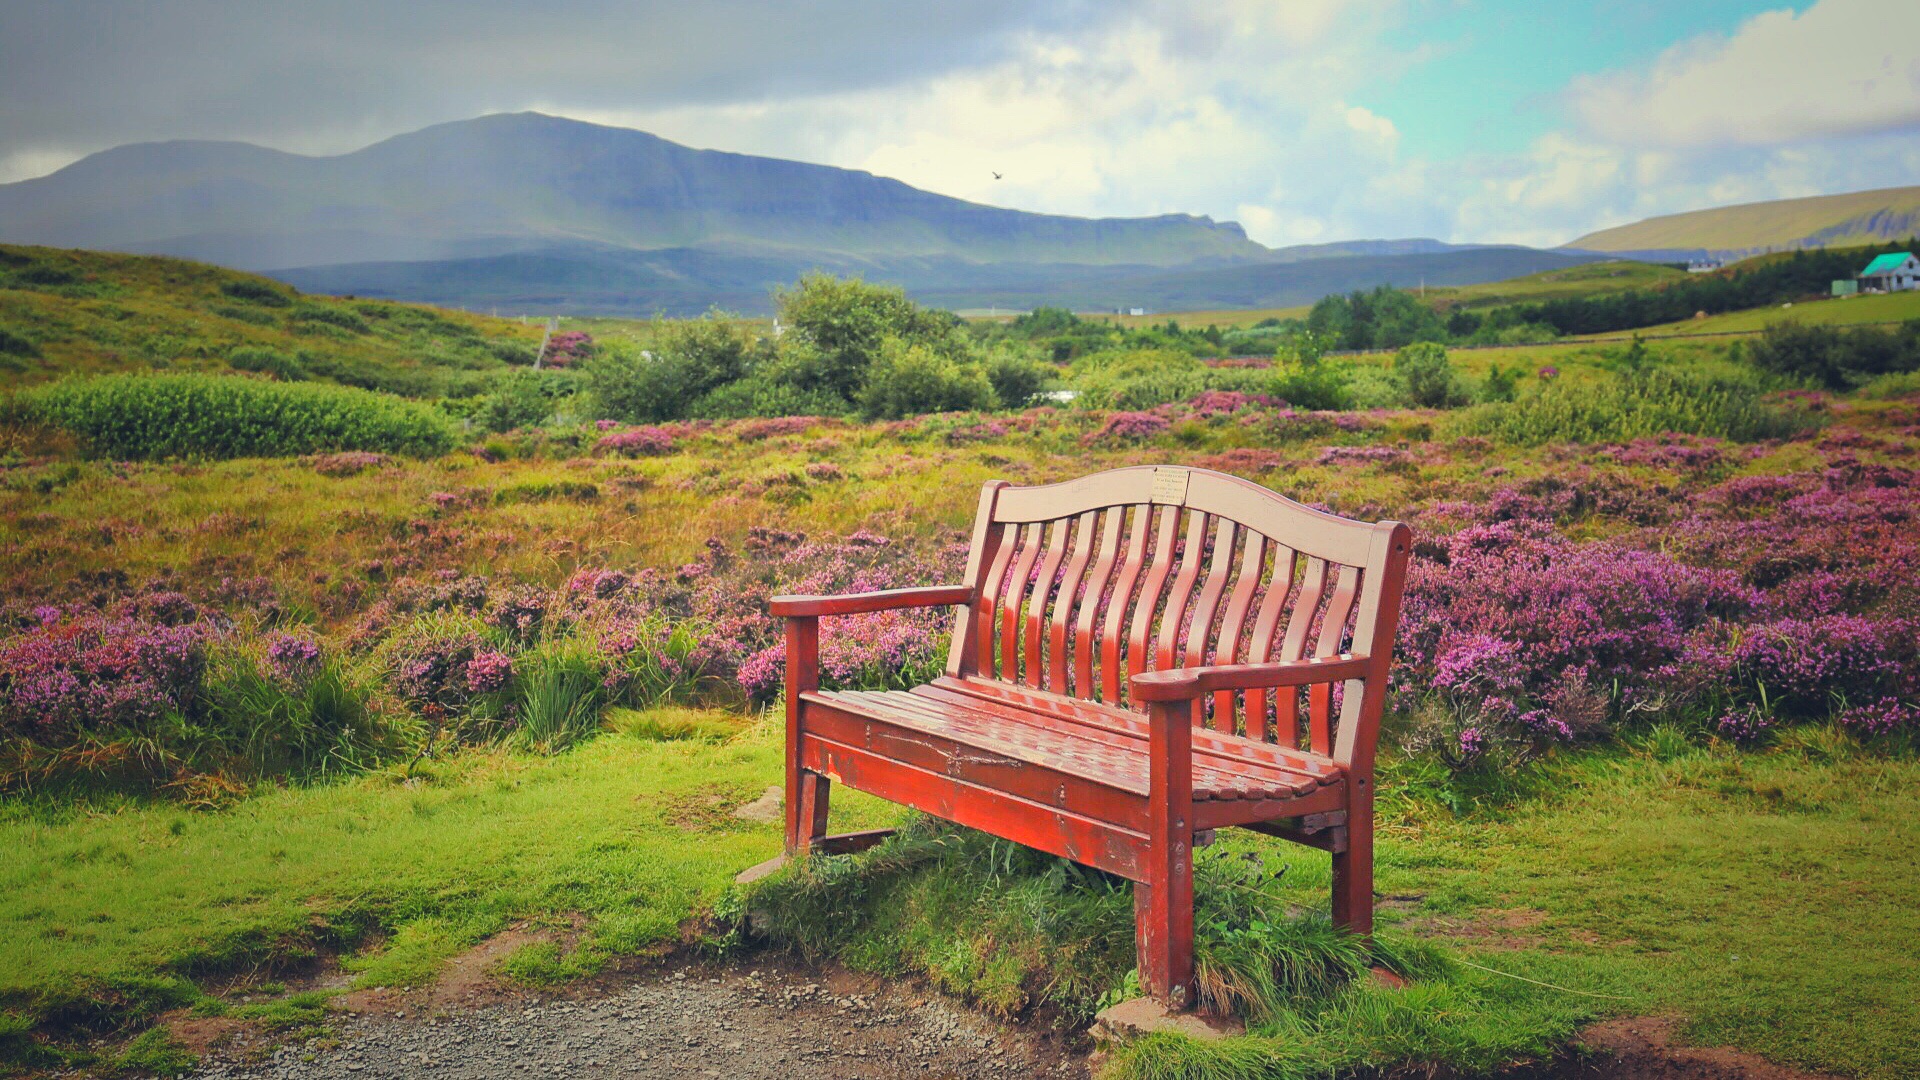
x=765, y=1018
x=1644, y=1048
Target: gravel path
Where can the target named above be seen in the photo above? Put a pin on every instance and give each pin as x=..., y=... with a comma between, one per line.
x=691, y=1022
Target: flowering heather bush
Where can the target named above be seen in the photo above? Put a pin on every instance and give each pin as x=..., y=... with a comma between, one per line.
x=726, y=595
x=637, y=442
x=569, y=347
x=81, y=671
x=1883, y=717
x=293, y=658
x=1128, y=427
x=1212, y=403
x=1362, y=455
x=488, y=672
x=349, y=462
x=751, y=431
x=1508, y=620
x=430, y=667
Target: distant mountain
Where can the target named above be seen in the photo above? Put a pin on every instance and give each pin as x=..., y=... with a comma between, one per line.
x=517, y=182
x=534, y=213
x=1863, y=217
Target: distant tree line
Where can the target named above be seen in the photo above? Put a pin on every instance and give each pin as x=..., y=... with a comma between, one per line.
x=1767, y=282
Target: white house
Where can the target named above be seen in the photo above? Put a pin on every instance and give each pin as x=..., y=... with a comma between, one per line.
x=1893, y=272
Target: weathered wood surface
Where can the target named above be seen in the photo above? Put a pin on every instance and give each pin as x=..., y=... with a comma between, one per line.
x=1140, y=656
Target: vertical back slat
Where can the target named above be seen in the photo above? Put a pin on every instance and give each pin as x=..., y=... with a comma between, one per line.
x=1110, y=664
x=1043, y=588
x=1139, y=637
x=1332, y=627
x=1020, y=576
x=1265, y=626
x=1084, y=646
x=1207, y=605
x=1286, y=704
x=1169, y=649
x=1063, y=602
x=1233, y=626
x=985, y=621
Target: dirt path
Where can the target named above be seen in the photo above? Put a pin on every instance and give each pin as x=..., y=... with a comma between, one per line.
x=738, y=1024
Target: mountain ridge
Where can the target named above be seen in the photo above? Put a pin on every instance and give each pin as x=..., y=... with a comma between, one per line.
x=1838, y=220
x=513, y=181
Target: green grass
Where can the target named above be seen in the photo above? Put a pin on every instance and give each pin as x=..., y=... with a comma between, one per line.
x=1731, y=889
x=86, y=312
x=112, y=910
x=1884, y=307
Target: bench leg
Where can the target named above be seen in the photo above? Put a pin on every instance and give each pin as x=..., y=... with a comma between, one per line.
x=1163, y=936
x=1163, y=903
x=807, y=797
x=1353, y=870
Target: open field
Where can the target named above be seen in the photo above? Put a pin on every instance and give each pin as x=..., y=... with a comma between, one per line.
x=367, y=707
x=1848, y=311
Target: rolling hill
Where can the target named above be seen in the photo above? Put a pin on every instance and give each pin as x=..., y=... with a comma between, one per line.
x=88, y=312
x=1861, y=217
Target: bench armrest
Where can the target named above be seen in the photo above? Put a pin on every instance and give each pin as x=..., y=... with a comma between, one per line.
x=857, y=603
x=1182, y=684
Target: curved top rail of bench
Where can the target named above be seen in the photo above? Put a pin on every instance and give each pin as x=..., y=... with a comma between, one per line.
x=1309, y=531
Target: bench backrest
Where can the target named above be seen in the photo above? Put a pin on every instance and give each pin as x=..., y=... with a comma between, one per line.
x=1084, y=584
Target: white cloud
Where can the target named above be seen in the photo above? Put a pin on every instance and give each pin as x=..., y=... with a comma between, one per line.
x=1839, y=67
x=1234, y=110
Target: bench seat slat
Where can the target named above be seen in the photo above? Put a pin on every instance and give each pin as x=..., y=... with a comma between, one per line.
x=1236, y=773
x=1235, y=747
x=1099, y=755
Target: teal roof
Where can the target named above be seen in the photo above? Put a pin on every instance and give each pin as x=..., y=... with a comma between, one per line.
x=1886, y=264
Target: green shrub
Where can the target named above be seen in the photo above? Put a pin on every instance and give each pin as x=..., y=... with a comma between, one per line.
x=908, y=379
x=1835, y=357
x=690, y=359
x=258, y=292
x=265, y=361
x=331, y=316
x=214, y=416
x=250, y=316
x=1016, y=378
x=524, y=398
x=12, y=344
x=761, y=394
x=1137, y=378
x=1502, y=384
x=1428, y=377
x=1636, y=405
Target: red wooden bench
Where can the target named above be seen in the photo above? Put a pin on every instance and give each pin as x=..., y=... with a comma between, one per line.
x=1140, y=657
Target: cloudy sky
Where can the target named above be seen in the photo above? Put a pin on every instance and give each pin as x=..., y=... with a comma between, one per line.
x=1528, y=121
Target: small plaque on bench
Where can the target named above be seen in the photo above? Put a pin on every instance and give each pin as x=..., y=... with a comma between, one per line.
x=1170, y=487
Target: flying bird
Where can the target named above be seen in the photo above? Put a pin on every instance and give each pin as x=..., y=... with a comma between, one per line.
x=996, y=176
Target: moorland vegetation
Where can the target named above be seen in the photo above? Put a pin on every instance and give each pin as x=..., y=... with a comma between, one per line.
x=252, y=612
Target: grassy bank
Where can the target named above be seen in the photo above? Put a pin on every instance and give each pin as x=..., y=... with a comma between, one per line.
x=1731, y=888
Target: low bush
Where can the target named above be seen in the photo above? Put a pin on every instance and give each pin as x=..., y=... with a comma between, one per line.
x=258, y=292
x=263, y=361
x=1635, y=405
x=13, y=344
x=163, y=416
x=1835, y=357
x=1428, y=377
